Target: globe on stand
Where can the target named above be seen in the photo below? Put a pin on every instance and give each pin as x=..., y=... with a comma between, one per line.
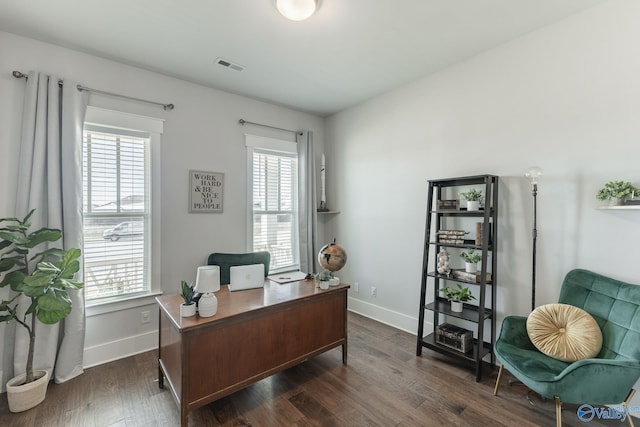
x=332, y=257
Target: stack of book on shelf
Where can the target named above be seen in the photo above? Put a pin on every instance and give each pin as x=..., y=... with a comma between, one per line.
x=452, y=237
x=461, y=274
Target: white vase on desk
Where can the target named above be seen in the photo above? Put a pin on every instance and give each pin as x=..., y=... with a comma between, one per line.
x=208, y=305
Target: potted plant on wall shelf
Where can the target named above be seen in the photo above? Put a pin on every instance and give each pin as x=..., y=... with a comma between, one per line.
x=457, y=296
x=473, y=198
x=471, y=259
x=188, y=308
x=616, y=191
x=40, y=280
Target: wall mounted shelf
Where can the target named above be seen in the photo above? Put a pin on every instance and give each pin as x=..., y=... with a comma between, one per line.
x=328, y=212
x=622, y=208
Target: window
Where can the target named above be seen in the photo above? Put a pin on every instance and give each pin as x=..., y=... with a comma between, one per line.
x=274, y=228
x=117, y=213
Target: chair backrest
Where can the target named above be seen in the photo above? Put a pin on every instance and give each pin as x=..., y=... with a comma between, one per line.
x=226, y=261
x=615, y=305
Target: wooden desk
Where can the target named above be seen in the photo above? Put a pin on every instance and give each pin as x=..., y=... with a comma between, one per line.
x=254, y=334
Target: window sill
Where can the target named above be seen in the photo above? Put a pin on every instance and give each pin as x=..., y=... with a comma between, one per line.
x=110, y=306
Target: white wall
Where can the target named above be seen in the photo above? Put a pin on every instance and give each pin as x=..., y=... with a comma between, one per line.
x=201, y=133
x=565, y=98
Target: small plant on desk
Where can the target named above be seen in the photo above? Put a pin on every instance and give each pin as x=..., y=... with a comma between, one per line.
x=188, y=308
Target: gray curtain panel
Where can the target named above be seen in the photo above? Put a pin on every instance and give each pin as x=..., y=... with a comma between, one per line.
x=307, y=204
x=50, y=181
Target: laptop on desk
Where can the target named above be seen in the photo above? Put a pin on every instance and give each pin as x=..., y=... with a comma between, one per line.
x=246, y=277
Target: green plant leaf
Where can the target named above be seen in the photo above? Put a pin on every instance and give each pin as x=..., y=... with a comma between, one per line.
x=49, y=253
x=43, y=235
x=4, y=244
x=32, y=308
x=6, y=318
x=19, y=228
x=53, y=307
x=26, y=218
x=63, y=283
x=18, y=239
x=38, y=283
x=7, y=263
x=47, y=267
x=13, y=279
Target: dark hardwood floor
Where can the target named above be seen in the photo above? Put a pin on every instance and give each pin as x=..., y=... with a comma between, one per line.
x=384, y=384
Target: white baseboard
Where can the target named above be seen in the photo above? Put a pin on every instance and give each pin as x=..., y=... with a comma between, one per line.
x=114, y=350
x=384, y=315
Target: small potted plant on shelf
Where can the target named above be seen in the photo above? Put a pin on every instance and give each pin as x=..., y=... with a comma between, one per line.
x=188, y=308
x=471, y=259
x=40, y=282
x=616, y=191
x=473, y=198
x=323, y=279
x=457, y=296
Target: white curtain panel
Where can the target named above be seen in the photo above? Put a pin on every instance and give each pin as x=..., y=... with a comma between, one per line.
x=50, y=181
x=307, y=205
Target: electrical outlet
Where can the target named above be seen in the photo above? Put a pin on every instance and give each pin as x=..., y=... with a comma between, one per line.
x=356, y=287
x=374, y=291
x=146, y=317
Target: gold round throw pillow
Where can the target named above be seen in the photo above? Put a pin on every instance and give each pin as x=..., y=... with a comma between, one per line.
x=564, y=332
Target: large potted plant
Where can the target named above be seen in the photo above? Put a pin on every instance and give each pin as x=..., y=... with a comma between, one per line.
x=616, y=191
x=40, y=278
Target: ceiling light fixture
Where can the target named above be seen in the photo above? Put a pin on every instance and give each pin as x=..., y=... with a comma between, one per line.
x=296, y=10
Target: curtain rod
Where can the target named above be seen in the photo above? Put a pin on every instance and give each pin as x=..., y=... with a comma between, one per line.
x=245, y=122
x=166, y=107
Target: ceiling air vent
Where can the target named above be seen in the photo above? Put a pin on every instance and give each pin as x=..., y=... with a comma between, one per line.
x=228, y=64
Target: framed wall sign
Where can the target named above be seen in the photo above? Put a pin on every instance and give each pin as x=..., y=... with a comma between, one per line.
x=205, y=191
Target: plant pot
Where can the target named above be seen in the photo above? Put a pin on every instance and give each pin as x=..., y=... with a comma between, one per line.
x=471, y=267
x=456, y=306
x=473, y=205
x=616, y=201
x=324, y=284
x=22, y=397
x=188, y=310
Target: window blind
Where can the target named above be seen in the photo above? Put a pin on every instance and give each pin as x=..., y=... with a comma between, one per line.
x=275, y=215
x=116, y=213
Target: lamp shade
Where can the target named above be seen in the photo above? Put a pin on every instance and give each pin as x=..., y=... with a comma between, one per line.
x=207, y=279
x=533, y=174
x=296, y=10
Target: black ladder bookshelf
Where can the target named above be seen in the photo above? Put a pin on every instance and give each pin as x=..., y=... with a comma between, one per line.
x=440, y=215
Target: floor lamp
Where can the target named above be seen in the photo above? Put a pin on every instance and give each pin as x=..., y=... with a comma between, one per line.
x=533, y=174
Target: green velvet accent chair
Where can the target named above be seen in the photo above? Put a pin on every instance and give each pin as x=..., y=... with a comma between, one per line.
x=606, y=379
x=226, y=261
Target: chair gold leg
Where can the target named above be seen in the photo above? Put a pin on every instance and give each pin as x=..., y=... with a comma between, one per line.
x=625, y=403
x=495, y=390
x=558, y=411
